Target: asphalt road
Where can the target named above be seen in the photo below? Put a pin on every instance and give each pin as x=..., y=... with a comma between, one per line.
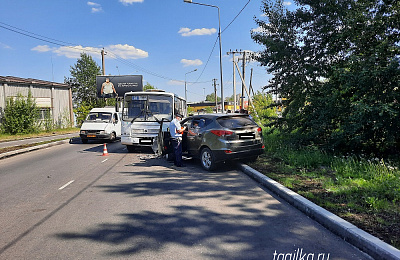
x=70, y=202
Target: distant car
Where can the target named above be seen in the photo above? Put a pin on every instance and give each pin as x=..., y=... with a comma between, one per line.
x=215, y=138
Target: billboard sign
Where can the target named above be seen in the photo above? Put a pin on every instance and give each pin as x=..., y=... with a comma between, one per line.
x=113, y=86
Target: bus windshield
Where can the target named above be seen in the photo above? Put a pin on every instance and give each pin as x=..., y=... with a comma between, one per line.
x=144, y=107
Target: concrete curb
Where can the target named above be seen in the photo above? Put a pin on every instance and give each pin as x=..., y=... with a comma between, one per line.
x=350, y=233
x=32, y=148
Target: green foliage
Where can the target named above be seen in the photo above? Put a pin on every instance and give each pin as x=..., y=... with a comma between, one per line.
x=262, y=103
x=83, y=80
x=20, y=115
x=190, y=110
x=372, y=184
x=148, y=86
x=209, y=110
x=211, y=98
x=336, y=68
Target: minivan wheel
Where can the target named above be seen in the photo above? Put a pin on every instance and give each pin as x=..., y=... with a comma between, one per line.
x=112, y=137
x=207, y=159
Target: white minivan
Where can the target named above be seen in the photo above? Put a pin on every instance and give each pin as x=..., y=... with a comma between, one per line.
x=101, y=124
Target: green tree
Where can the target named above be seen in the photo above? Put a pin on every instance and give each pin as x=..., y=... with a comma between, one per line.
x=211, y=98
x=20, y=115
x=190, y=110
x=83, y=80
x=148, y=86
x=83, y=84
x=263, y=105
x=336, y=68
x=209, y=110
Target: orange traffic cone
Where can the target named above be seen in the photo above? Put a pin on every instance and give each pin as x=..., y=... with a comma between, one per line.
x=105, y=153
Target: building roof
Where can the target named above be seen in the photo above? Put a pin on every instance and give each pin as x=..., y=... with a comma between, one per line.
x=36, y=82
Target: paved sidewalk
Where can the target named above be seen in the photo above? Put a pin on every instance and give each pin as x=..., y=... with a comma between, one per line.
x=350, y=233
x=34, y=141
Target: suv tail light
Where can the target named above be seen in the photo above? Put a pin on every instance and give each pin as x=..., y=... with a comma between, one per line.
x=222, y=133
x=259, y=130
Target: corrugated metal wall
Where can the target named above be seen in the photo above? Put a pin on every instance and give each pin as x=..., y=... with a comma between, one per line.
x=61, y=105
x=60, y=109
x=39, y=92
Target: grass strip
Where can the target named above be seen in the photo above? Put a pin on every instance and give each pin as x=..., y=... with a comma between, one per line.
x=364, y=192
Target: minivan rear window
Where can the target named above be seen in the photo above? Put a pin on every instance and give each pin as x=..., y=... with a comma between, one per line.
x=235, y=122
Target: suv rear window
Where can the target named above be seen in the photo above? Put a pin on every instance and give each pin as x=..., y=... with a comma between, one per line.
x=236, y=122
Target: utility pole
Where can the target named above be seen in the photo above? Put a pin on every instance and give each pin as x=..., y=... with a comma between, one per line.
x=244, y=59
x=244, y=78
x=234, y=77
x=215, y=94
x=251, y=91
x=102, y=61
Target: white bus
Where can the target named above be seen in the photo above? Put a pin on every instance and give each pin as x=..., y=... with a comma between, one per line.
x=146, y=116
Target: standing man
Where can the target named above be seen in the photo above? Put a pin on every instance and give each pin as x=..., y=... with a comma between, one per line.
x=176, y=131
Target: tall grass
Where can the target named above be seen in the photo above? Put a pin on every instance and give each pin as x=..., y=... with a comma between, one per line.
x=373, y=184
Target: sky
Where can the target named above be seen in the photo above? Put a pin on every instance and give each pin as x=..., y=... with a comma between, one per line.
x=163, y=40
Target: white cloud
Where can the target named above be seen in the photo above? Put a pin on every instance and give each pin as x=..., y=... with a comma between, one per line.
x=95, y=7
x=96, y=10
x=74, y=52
x=187, y=63
x=127, y=52
x=122, y=51
x=130, y=2
x=41, y=48
x=175, y=83
x=287, y=3
x=4, y=46
x=195, y=32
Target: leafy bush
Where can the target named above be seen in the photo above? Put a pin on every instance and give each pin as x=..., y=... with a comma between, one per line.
x=20, y=115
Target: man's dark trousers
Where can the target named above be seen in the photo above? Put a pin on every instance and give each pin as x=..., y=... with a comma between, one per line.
x=177, y=152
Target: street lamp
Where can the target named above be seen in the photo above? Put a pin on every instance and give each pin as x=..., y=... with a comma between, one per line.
x=185, y=83
x=220, y=48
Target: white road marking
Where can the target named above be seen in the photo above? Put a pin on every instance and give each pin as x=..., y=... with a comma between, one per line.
x=104, y=160
x=66, y=185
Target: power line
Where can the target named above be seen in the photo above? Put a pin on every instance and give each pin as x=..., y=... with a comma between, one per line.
x=212, y=50
x=34, y=35
x=236, y=16
x=67, y=45
x=128, y=63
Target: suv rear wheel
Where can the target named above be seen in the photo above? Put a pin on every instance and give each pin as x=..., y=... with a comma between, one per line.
x=207, y=159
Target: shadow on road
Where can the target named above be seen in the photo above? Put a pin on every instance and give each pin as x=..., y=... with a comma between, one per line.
x=217, y=215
